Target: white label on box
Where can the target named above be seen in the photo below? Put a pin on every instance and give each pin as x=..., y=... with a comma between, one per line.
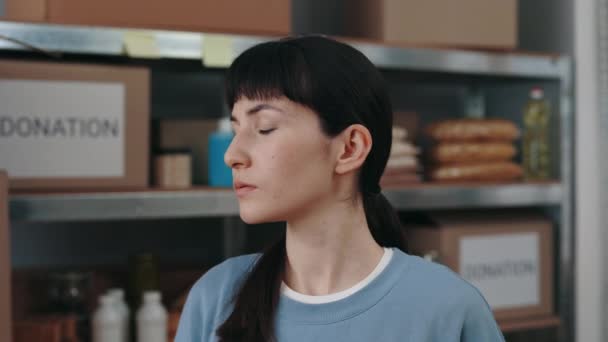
x=505, y=268
x=58, y=129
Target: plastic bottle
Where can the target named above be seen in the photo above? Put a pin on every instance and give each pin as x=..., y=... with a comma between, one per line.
x=536, y=151
x=220, y=174
x=106, y=321
x=122, y=308
x=152, y=319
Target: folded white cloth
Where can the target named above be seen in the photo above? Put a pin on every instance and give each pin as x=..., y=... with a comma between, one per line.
x=406, y=161
x=399, y=133
x=403, y=149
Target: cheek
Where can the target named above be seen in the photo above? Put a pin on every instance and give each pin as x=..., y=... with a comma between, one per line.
x=294, y=173
x=299, y=168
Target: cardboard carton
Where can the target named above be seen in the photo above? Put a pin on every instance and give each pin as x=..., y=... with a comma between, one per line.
x=252, y=16
x=23, y=10
x=74, y=126
x=508, y=256
x=465, y=23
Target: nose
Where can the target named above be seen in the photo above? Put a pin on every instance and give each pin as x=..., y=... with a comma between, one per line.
x=236, y=156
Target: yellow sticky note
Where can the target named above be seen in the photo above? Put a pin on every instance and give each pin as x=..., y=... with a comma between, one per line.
x=218, y=51
x=140, y=44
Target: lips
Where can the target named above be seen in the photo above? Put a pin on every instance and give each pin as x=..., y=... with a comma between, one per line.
x=242, y=188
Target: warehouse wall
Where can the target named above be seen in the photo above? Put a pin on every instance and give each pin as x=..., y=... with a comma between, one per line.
x=546, y=25
x=590, y=262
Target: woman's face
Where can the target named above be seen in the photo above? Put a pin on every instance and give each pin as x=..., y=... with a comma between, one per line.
x=281, y=160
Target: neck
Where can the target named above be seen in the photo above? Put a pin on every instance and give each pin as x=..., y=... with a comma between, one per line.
x=331, y=250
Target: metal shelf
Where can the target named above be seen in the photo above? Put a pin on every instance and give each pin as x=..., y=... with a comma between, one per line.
x=122, y=205
x=191, y=45
x=437, y=196
x=151, y=204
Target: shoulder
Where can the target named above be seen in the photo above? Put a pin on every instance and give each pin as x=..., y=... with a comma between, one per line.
x=228, y=270
x=224, y=278
x=441, y=299
x=438, y=286
x=215, y=289
x=209, y=299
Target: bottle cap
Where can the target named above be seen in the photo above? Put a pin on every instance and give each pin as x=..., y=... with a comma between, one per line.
x=117, y=293
x=537, y=93
x=106, y=300
x=224, y=125
x=152, y=296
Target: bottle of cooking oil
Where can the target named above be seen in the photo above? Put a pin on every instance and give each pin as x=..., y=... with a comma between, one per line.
x=536, y=152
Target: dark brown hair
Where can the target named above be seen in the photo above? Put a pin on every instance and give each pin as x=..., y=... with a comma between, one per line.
x=343, y=87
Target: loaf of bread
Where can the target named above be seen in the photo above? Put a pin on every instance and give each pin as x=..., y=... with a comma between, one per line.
x=490, y=172
x=473, y=130
x=450, y=153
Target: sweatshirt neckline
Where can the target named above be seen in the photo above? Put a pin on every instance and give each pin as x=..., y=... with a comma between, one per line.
x=353, y=305
x=332, y=297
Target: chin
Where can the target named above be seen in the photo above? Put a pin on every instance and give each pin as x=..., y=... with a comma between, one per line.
x=257, y=215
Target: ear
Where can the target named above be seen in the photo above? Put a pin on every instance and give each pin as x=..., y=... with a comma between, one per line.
x=354, y=144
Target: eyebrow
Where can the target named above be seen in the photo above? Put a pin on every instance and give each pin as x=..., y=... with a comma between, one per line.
x=254, y=110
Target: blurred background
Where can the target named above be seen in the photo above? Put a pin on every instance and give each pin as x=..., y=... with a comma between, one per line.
x=112, y=134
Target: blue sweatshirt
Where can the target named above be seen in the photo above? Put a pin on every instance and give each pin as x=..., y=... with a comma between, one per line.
x=411, y=300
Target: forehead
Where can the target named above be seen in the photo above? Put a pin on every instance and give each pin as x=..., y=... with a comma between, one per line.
x=244, y=104
x=283, y=106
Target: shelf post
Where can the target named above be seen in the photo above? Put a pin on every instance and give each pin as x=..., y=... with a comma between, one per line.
x=5, y=263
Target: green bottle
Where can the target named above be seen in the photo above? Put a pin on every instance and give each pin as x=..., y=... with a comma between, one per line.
x=536, y=151
x=143, y=276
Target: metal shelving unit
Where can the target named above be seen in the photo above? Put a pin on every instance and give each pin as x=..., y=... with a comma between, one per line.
x=212, y=203
x=192, y=45
x=82, y=40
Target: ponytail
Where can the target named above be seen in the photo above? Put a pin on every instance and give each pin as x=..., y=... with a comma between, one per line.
x=255, y=304
x=383, y=221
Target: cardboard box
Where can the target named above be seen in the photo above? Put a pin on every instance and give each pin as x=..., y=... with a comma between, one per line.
x=192, y=135
x=465, y=23
x=23, y=10
x=252, y=16
x=46, y=327
x=508, y=256
x=5, y=263
x=410, y=121
x=173, y=169
x=74, y=126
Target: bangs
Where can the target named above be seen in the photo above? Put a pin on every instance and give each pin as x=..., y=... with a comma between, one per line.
x=269, y=71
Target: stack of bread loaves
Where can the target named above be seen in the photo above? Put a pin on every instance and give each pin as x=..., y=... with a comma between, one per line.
x=403, y=166
x=473, y=150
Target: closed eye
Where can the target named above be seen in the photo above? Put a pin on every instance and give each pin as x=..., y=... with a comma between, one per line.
x=266, y=131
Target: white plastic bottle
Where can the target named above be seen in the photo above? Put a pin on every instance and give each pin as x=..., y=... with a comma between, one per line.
x=123, y=309
x=106, y=321
x=152, y=319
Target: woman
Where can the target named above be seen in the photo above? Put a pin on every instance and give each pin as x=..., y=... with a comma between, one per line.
x=313, y=131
